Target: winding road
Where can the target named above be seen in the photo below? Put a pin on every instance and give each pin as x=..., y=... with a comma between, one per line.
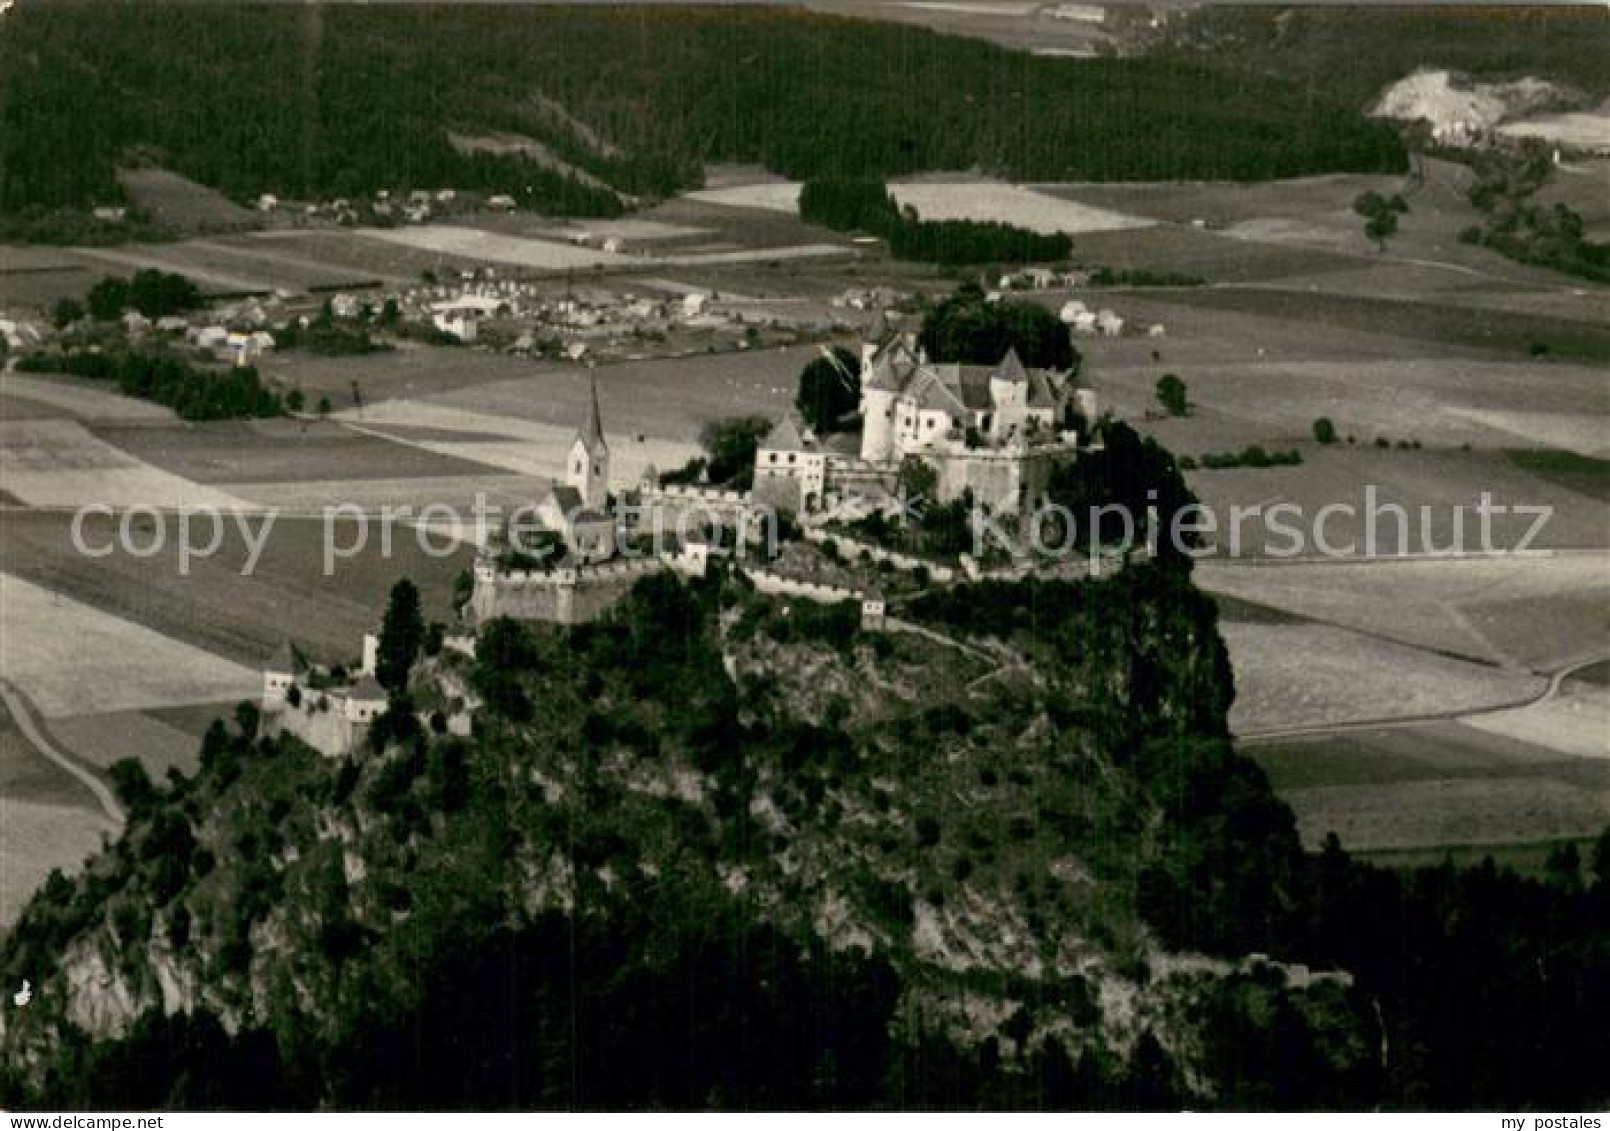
x=32, y=725
x=1391, y=722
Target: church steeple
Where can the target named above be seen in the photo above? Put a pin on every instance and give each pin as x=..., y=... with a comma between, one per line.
x=587, y=465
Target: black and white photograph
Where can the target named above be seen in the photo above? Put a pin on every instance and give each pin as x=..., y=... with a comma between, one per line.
x=871, y=556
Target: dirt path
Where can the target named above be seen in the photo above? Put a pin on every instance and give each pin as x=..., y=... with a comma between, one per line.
x=33, y=727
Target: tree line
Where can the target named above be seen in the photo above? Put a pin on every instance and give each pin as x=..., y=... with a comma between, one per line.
x=193, y=393
x=852, y=204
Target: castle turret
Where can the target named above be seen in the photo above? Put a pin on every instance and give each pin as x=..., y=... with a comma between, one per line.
x=1009, y=382
x=587, y=465
x=873, y=341
x=881, y=382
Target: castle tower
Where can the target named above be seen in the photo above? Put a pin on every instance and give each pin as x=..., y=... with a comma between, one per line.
x=1009, y=383
x=587, y=465
x=873, y=341
x=882, y=380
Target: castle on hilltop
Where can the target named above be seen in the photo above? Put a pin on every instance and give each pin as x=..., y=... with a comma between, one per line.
x=992, y=431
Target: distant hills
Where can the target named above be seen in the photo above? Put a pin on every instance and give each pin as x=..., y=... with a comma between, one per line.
x=322, y=101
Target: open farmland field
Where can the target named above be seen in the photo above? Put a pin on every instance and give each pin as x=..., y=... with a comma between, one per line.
x=232, y=265
x=313, y=498
x=1439, y=785
x=35, y=277
x=1314, y=675
x=936, y=199
x=491, y=247
x=1577, y=723
x=1436, y=493
x=1510, y=332
x=103, y=739
x=179, y=204
x=410, y=371
x=36, y=839
x=57, y=396
x=273, y=262
x=214, y=620
x=27, y=775
x=1584, y=187
x=1444, y=812
x=522, y=419
x=354, y=254
x=71, y=658
x=58, y=463
x=1523, y=613
x=727, y=226
x=128, y=259
x=1576, y=130
x=662, y=397
x=531, y=453
x=1218, y=203
x=1212, y=256
x=278, y=451
x=1303, y=231
x=1027, y=25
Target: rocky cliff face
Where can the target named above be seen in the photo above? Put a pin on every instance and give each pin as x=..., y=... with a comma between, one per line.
x=960, y=816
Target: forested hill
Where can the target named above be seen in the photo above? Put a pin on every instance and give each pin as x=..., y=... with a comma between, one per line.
x=326, y=100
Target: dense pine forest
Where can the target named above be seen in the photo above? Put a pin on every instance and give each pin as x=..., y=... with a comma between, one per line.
x=321, y=101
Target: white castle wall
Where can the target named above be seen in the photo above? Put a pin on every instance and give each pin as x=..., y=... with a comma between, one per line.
x=573, y=595
x=778, y=585
x=329, y=731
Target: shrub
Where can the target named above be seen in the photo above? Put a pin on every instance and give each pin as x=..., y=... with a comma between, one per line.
x=1173, y=395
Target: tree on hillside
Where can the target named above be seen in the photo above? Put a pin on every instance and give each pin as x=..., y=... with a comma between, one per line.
x=157, y=294
x=967, y=328
x=1324, y=430
x=828, y=390
x=1380, y=215
x=1172, y=394
x=1381, y=226
x=108, y=299
x=68, y=311
x=731, y=443
x=401, y=633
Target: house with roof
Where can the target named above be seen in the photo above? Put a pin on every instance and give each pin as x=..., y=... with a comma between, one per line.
x=790, y=466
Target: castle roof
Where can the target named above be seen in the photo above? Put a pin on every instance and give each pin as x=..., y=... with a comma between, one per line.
x=891, y=368
x=284, y=661
x=960, y=389
x=1011, y=368
x=565, y=497
x=591, y=432
x=1042, y=393
x=786, y=436
x=367, y=690
x=939, y=388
